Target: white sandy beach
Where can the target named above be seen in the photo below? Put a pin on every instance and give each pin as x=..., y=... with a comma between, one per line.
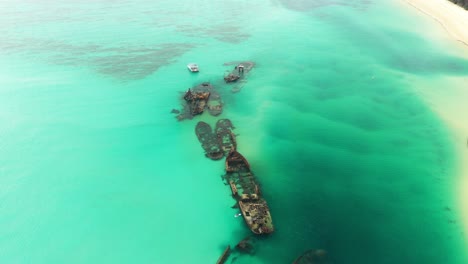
x=450, y=103
x=451, y=17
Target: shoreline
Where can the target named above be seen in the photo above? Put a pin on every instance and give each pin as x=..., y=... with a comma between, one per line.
x=453, y=18
x=450, y=105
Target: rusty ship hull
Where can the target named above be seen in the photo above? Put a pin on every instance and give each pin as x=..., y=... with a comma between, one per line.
x=245, y=190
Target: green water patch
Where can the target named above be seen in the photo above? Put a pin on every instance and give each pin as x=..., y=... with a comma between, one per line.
x=350, y=159
x=367, y=185
x=368, y=180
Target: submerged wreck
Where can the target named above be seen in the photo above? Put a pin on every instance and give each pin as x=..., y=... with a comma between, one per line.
x=209, y=141
x=199, y=98
x=219, y=142
x=195, y=103
x=313, y=256
x=226, y=138
x=247, y=193
x=237, y=75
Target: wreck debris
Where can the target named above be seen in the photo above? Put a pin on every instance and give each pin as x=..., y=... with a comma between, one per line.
x=199, y=98
x=246, y=245
x=214, y=103
x=224, y=256
x=195, y=103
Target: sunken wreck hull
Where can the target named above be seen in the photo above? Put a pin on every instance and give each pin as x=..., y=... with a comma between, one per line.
x=235, y=162
x=203, y=130
x=313, y=256
x=257, y=216
x=239, y=71
x=226, y=138
x=245, y=190
x=215, y=104
x=216, y=143
x=209, y=141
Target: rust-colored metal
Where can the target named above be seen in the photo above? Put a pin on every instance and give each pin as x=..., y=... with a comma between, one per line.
x=199, y=98
x=254, y=208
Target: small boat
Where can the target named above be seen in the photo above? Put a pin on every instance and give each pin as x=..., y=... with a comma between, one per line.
x=193, y=67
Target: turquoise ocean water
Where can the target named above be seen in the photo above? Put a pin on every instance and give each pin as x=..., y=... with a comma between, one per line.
x=95, y=169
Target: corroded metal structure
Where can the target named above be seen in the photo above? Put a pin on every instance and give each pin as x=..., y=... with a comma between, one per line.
x=199, y=98
x=247, y=193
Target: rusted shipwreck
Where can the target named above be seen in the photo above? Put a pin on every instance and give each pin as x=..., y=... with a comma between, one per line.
x=209, y=141
x=247, y=193
x=199, y=98
x=239, y=71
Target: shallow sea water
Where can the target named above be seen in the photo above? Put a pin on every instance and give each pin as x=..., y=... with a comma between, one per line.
x=95, y=169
